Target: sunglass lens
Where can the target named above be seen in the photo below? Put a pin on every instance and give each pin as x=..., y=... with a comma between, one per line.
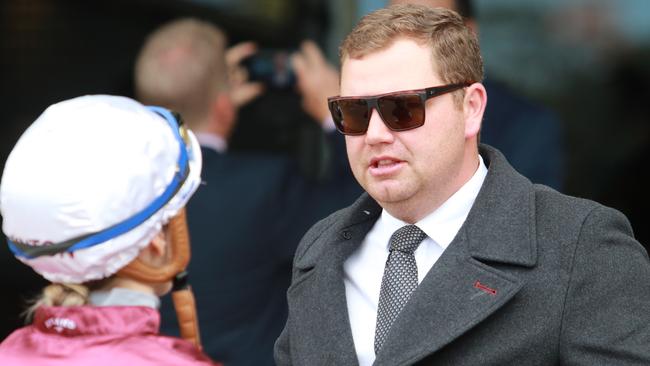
x=350, y=115
x=402, y=112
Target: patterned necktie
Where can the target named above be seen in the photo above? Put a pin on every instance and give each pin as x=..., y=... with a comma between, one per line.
x=399, y=281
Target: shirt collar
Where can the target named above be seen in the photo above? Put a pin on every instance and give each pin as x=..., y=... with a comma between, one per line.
x=212, y=141
x=123, y=297
x=443, y=224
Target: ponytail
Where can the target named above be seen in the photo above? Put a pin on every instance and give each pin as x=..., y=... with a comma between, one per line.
x=59, y=294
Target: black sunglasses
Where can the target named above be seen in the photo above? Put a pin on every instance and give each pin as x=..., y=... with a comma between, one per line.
x=400, y=111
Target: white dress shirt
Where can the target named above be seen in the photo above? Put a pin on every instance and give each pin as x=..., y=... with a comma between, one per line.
x=212, y=141
x=364, y=269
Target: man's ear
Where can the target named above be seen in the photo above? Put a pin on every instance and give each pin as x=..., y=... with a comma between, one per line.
x=472, y=24
x=155, y=252
x=223, y=115
x=159, y=244
x=473, y=107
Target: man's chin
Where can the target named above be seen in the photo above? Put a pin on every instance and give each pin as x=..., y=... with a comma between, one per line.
x=389, y=193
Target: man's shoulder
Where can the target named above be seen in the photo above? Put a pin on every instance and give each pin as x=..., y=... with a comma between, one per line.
x=314, y=239
x=246, y=160
x=534, y=205
x=552, y=203
x=576, y=217
x=549, y=200
x=243, y=171
x=323, y=231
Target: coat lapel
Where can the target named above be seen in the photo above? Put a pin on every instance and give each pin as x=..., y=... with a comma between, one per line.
x=456, y=295
x=463, y=287
x=321, y=309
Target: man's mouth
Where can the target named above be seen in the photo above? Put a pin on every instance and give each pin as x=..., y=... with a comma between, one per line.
x=383, y=166
x=383, y=162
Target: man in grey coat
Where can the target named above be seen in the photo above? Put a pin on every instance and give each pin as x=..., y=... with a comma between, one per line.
x=452, y=257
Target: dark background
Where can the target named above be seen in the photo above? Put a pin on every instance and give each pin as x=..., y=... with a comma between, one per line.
x=51, y=50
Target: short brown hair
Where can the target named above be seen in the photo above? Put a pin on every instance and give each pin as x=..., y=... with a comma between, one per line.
x=182, y=66
x=454, y=46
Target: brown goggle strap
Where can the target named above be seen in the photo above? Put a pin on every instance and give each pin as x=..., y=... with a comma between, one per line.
x=182, y=295
x=185, y=306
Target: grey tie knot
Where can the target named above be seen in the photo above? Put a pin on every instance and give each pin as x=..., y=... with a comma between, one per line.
x=406, y=239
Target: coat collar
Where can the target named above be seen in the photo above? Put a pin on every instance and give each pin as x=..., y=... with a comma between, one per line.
x=500, y=226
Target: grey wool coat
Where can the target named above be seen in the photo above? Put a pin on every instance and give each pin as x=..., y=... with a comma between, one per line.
x=533, y=277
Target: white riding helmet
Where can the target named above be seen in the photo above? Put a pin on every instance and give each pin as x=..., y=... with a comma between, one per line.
x=91, y=182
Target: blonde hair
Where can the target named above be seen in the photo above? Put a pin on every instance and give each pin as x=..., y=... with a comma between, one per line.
x=181, y=67
x=59, y=294
x=454, y=46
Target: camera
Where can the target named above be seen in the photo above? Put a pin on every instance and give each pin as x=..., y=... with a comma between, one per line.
x=271, y=67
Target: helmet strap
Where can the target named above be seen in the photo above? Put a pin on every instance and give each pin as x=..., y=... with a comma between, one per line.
x=182, y=295
x=185, y=306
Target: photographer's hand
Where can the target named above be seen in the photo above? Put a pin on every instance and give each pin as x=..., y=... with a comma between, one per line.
x=242, y=91
x=316, y=80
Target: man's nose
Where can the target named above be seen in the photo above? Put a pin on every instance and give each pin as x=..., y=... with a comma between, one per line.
x=378, y=132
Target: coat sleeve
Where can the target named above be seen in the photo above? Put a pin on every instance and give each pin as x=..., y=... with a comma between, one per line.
x=281, y=351
x=606, y=319
x=304, y=259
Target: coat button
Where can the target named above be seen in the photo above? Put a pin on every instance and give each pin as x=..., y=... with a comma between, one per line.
x=346, y=234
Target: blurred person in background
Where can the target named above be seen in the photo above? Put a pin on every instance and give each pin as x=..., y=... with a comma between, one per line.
x=248, y=216
x=106, y=227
